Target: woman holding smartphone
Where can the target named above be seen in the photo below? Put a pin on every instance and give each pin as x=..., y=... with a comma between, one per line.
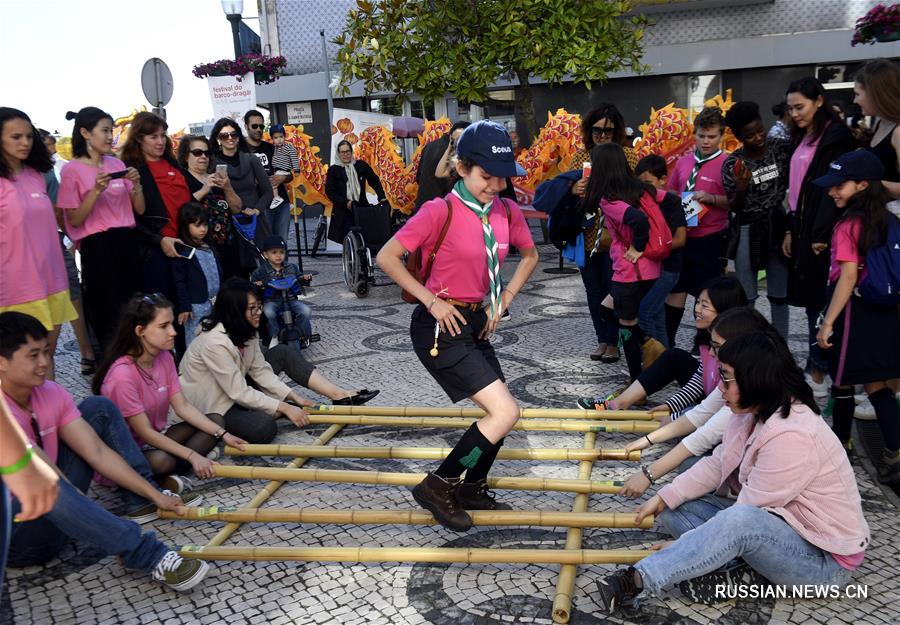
x=99, y=199
x=215, y=191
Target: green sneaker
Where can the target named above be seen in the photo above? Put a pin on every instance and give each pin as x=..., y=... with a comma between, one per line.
x=179, y=574
x=147, y=513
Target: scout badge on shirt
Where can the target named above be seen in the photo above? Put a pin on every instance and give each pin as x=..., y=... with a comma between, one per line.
x=693, y=209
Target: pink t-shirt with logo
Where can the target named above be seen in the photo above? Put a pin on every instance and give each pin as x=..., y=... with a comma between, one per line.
x=845, y=248
x=31, y=260
x=709, y=179
x=800, y=161
x=112, y=208
x=53, y=409
x=135, y=390
x=460, y=267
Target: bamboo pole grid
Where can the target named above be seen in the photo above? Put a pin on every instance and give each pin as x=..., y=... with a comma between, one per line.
x=338, y=416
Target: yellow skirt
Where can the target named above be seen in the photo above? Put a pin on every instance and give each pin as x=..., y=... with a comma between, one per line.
x=54, y=310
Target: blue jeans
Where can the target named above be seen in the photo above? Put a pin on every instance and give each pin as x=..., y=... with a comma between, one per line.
x=713, y=531
x=279, y=219
x=301, y=312
x=652, y=312
x=597, y=278
x=198, y=311
x=75, y=516
x=5, y=522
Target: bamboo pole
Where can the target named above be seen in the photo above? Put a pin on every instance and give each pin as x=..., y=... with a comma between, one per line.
x=417, y=554
x=269, y=489
x=411, y=479
x=428, y=453
x=535, y=425
x=406, y=517
x=565, y=583
x=456, y=411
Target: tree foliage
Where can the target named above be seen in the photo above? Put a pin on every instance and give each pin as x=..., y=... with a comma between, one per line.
x=434, y=47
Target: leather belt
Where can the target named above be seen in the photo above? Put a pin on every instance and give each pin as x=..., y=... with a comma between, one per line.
x=467, y=305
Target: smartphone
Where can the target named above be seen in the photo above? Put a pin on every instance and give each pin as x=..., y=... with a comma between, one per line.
x=185, y=251
x=117, y=174
x=221, y=170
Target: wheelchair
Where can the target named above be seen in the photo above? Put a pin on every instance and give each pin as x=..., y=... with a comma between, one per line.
x=372, y=228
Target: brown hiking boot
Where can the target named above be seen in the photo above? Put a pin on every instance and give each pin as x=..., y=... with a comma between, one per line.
x=650, y=351
x=438, y=496
x=476, y=496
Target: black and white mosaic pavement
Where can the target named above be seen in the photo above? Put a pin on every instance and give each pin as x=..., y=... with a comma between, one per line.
x=544, y=350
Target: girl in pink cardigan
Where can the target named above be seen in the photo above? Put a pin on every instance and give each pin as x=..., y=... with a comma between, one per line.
x=777, y=499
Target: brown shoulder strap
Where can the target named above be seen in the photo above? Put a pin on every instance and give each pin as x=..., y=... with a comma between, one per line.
x=437, y=244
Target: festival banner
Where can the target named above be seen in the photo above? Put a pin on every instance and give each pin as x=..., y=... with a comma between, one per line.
x=232, y=96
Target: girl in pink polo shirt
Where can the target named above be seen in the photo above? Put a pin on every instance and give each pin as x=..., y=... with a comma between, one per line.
x=451, y=326
x=99, y=198
x=861, y=338
x=624, y=200
x=32, y=272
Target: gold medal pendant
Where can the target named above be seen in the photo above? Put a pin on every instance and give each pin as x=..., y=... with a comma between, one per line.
x=484, y=219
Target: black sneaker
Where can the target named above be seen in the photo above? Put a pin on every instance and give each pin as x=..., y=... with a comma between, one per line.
x=703, y=589
x=889, y=469
x=618, y=590
x=476, y=496
x=358, y=399
x=438, y=496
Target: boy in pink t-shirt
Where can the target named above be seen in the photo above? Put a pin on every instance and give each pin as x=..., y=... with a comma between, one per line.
x=80, y=440
x=697, y=178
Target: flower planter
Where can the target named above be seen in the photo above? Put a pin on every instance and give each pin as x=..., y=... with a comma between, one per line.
x=886, y=34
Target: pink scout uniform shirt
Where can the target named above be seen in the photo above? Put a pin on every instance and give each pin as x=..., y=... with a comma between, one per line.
x=31, y=261
x=112, y=208
x=845, y=248
x=709, y=179
x=460, y=267
x=134, y=390
x=53, y=409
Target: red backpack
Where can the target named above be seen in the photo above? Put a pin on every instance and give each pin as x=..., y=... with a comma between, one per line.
x=659, y=243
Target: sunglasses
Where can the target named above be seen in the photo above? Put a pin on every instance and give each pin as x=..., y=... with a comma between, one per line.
x=609, y=130
x=226, y=136
x=257, y=126
x=198, y=152
x=726, y=381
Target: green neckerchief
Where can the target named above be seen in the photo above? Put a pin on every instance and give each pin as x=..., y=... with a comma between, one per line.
x=490, y=241
x=698, y=163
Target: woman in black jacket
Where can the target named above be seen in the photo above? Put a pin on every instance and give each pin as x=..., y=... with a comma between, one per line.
x=344, y=191
x=818, y=137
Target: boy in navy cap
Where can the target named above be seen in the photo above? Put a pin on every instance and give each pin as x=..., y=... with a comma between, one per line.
x=274, y=250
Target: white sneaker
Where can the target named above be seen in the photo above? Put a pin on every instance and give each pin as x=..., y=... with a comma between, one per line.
x=179, y=574
x=821, y=390
x=865, y=411
x=177, y=484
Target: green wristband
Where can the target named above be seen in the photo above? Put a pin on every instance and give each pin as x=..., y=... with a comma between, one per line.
x=21, y=464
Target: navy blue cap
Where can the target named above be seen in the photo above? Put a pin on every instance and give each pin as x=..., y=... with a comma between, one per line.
x=272, y=242
x=856, y=165
x=488, y=144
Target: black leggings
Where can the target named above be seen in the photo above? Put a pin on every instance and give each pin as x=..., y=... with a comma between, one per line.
x=163, y=463
x=674, y=364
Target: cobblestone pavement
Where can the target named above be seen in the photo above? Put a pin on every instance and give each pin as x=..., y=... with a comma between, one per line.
x=543, y=348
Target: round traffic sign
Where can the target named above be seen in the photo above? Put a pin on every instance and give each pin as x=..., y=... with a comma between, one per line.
x=156, y=81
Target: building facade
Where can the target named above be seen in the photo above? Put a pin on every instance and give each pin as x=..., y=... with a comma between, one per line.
x=694, y=48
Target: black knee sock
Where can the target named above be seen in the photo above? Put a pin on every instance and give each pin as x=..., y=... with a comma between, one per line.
x=888, y=414
x=468, y=451
x=606, y=314
x=480, y=470
x=673, y=320
x=842, y=412
x=631, y=337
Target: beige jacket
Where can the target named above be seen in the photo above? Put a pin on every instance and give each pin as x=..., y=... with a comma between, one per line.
x=213, y=374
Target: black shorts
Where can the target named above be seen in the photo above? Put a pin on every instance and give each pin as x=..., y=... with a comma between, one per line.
x=627, y=297
x=465, y=364
x=703, y=260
